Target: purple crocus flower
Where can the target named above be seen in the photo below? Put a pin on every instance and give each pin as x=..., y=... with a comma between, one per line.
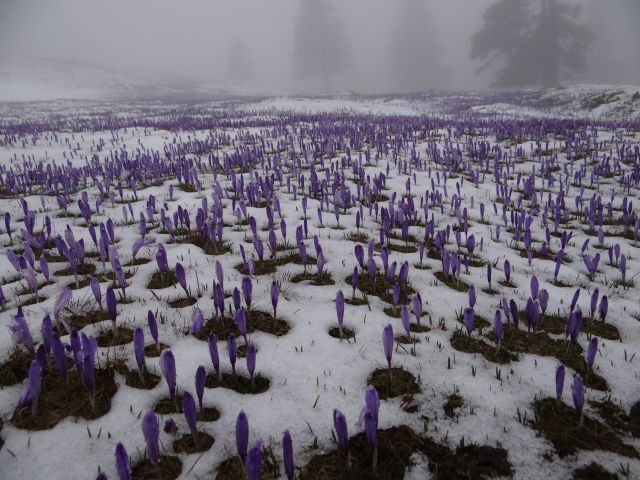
x=112, y=309
x=59, y=356
x=168, y=367
x=560, y=371
x=507, y=270
x=182, y=279
x=387, y=343
x=161, y=259
x=532, y=310
x=340, y=309
x=122, y=463
x=242, y=435
x=275, y=294
x=472, y=296
x=604, y=307
x=63, y=299
x=241, y=322
x=20, y=333
x=251, y=361
x=342, y=435
x=95, y=289
x=416, y=303
x=254, y=461
x=247, y=289
x=594, y=302
x=543, y=300
x=534, y=287
x=287, y=455
x=469, y=315
x=153, y=328
x=190, y=414
x=138, y=346
x=201, y=378
x=233, y=351
x=498, y=329
x=197, y=322
x=31, y=388
x=213, y=352
x=151, y=432
x=592, y=349
x=577, y=393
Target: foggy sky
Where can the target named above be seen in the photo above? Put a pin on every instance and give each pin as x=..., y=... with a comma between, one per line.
x=191, y=39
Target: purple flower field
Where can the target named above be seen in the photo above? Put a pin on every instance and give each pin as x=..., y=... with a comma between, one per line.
x=420, y=286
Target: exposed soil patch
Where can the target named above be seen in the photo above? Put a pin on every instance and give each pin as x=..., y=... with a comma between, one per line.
x=16, y=368
x=152, y=351
x=58, y=401
x=162, y=280
x=207, y=246
x=396, y=445
x=539, y=343
x=105, y=338
x=454, y=402
x=347, y=333
x=168, y=406
x=256, y=320
x=317, y=279
x=402, y=382
x=182, y=302
x=238, y=383
x=558, y=423
x=593, y=471
x=557, y=324
x=79, y=320
x=232, y=468
x=186, y=443
x=269, y=265
x=463, y=343
x=379, y=287
x=455, y=283
x=169, y=468
x=616, y=417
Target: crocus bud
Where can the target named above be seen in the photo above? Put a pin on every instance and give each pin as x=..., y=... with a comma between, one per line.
x=201, y=378
x=233, y=350
x=213, y=352
x=138, y=346
x=168, y=367
x=275, y=294
x=122, y=463
x=342, y=435
x=151, y=432
x=287, y=455
x=153, y=326
x=604, y=307
x=254, y=462
x=469, y=315
x=591, y=351
x=182, y=279
x=251, y=360
x=577, y=393
x=242, y=435
x=190, y=415
x=559, y=381
x=387, y=342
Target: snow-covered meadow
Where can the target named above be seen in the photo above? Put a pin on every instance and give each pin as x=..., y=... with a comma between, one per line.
x=496, y=233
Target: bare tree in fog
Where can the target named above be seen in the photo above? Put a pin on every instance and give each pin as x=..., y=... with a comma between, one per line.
x=320, y=49
x=239, y=67
x=414, y=51
x=540, y=42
